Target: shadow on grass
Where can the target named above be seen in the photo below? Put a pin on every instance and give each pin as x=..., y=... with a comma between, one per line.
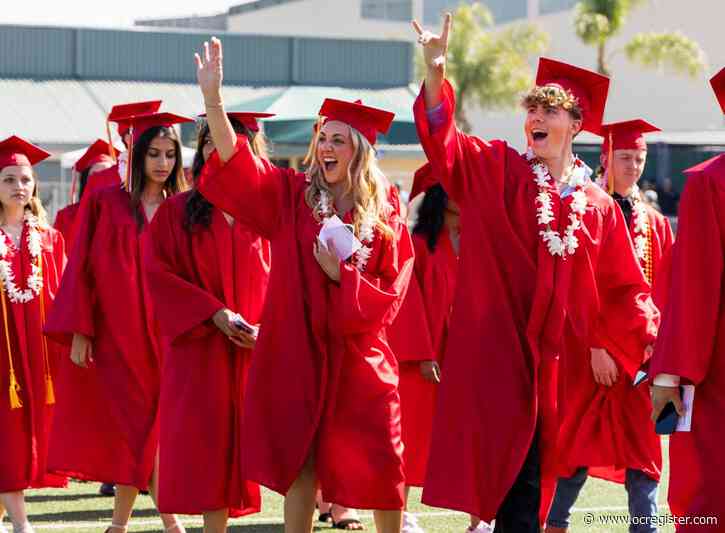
x=87, y=516
x=44, y=498
x=240, y=528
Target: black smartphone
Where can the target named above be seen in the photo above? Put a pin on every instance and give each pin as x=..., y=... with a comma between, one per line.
x=667, y=421
x=242, y=325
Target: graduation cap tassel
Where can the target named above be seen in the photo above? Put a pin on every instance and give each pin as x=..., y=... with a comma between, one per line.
x=15, y=402
x=111, y=149
x=610, y=171
x=129, y=161
x=74, y=181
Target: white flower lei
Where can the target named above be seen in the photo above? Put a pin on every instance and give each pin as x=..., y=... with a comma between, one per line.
x=578, y=179
x=35, y=278
x=367, y=231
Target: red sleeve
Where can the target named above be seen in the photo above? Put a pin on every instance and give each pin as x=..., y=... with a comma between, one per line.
x=690, y=319
x=367, y=302
x=73, y=310
x=248, y=187
x=628, y=319
x=409, y=335
x=180, y=305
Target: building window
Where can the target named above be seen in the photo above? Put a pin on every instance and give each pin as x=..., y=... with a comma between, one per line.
x=553, y=6
x=502, y=10
x=398, y=10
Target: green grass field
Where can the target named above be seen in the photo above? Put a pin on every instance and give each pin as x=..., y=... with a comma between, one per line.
x=80, y=509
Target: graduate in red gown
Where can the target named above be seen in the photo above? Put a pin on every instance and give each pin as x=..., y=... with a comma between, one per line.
x=121, y=114
x=206, y=267
x=607, y=432
x=322, y=402
x=109, y=394
x=691, y=345
x=32, y=258
x=419, y=333
x=95, y=159
x=541, y=261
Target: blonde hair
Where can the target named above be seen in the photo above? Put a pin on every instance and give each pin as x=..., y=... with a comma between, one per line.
x=365, y=180
x=553, y=96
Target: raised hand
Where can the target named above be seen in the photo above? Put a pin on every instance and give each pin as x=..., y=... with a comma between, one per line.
x=209, y=71
x=435, y=47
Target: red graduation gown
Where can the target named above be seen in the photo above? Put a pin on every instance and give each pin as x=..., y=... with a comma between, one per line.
x=514, y=305
x=691, y=344
x=65, y=222
x=419, y=334
x=25, y=430
x=609, y=429
x=103, y=178
x=192, y=276
x=323, y=379
x=109, y=428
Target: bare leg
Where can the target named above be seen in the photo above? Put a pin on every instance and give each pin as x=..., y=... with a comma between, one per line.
x=474, y=522
x=216, y=521
x=14, y=502
x=170, y=521
x=388, y=521
x=123, y=505
x=299, y=502
x=407, y=495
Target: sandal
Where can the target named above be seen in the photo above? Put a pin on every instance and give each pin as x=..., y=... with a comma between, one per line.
x=325, y=518
x=110, y=528
x=343, y=524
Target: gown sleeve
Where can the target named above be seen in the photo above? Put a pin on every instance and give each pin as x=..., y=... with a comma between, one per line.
x=628, y=319
x=249, y=188
x=74, y=307
x=690, y=319
x=365, y=302
x=180, y=305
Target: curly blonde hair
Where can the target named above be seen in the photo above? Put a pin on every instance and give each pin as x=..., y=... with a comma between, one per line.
x=553, y=96
x=365, y=180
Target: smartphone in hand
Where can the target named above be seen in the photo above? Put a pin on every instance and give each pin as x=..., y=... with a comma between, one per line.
x=667, y=421
x=242, y=325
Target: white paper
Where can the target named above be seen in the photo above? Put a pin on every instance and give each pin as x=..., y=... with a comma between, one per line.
x=684, y=423
x=338, y=235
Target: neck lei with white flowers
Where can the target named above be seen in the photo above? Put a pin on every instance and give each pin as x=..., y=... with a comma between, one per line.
x=360, y=258
x=558, y=244
x=34, y=282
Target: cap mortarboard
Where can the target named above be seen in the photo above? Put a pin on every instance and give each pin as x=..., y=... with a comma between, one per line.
x=627, y=135
x=142, y=123
x=367, y=120
x=718, y=85
x=98, y=151
x=588, y=87
x=248, y=118
x=15, y=151
x=124, y=111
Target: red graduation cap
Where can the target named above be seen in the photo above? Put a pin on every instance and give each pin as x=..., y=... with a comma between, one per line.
x=718, y=85
x=627, y=135
x=367, y=120
x=97, y=152
x=423, y=180
x=248, y=118
x=15, y=151
x=124, y=111
x=588, y=87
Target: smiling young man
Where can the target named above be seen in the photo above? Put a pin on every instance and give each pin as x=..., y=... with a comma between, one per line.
x=606, y=403
x=541, y=256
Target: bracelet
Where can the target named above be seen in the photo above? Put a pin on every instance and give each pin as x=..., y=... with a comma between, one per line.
x=215, y=105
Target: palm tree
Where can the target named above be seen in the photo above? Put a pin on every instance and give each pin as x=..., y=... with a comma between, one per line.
x=490, y=69
x=597, y=21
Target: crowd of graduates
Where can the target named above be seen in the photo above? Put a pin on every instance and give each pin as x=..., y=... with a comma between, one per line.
x=201, y=334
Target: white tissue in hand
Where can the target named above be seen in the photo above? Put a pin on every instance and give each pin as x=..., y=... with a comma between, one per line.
x=340, y=236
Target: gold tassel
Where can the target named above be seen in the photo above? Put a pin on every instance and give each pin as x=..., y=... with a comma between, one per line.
x=610, y=171
x=15, y=402
x=49, y=391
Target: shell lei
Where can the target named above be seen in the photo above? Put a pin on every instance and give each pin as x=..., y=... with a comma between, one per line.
x=35, y=278
x=566, y=244
x=367, y=231
x=642, y=235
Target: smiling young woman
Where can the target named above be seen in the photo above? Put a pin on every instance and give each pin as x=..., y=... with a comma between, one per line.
x=332, y=416
x=110, y=385
x=545, y=257
x=32, y=258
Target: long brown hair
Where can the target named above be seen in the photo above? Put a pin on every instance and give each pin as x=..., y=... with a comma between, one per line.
x=365, y=181
x=175, y=183
x=198, y=209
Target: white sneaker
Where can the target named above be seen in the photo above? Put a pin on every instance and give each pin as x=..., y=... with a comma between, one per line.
x=482, y=527
x=24, y=528
x=410, y=524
